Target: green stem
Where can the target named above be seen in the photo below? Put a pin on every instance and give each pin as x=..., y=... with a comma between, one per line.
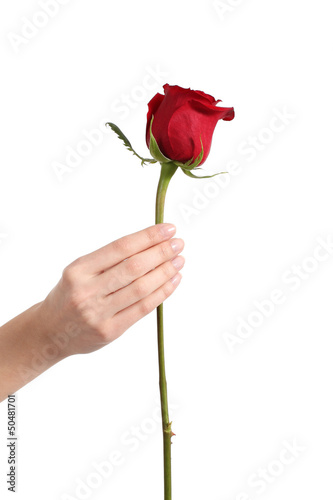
x=167, y=171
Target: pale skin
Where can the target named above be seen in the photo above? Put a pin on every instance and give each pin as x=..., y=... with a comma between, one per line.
x=98, y=297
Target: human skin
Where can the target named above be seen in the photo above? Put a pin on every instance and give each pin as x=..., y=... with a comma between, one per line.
x=98, y=297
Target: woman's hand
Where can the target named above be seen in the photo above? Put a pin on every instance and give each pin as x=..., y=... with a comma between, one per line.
x=98, y=297
x=103, y=293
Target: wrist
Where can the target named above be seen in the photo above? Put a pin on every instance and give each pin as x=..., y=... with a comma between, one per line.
x=41, y=351
x=27, y=349
x=50, y=339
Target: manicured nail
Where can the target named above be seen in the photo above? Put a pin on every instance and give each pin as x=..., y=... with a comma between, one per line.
x=168, y=230
x=177, y=245
x=178, y=262
x=176, y=279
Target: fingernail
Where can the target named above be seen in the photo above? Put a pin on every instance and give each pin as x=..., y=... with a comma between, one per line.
x=168, y=229
x=178, y=262
x=176, y=279
x=177, y=245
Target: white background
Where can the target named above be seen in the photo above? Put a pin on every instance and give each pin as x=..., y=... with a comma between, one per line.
x=234, y=409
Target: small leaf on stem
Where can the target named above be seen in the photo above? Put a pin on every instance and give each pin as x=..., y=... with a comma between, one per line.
x=128, y=145
x=186, y=172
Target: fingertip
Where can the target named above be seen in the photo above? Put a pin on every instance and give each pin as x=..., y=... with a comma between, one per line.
x=176, y=279
x=178, y=262
x=167, y=229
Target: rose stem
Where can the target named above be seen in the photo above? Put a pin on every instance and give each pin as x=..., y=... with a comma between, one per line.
x=167, y=171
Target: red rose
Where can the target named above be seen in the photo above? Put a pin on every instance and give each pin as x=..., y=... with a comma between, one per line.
x=181, y=117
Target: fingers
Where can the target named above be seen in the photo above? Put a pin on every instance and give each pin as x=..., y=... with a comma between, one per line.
x=138, y=265
x=145, y=285
x=123, y=248
x=126, y=318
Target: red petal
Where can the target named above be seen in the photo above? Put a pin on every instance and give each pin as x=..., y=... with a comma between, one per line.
x=190, y=122
x=153, y=105
x=175, y=90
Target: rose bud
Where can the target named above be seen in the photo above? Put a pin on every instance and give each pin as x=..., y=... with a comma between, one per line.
x=183, y=124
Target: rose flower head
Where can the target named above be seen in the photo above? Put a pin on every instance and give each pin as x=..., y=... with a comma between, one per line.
x=183, y=124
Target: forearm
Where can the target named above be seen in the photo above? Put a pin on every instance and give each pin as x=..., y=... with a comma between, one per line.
x=24, y=350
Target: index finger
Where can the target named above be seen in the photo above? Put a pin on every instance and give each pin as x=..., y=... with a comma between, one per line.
x=123, y=248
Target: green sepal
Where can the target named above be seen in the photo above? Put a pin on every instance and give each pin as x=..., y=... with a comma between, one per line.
x=154, y=147
x=186, y=165
x=187, y=172
x=189, y=165
x=128, y=145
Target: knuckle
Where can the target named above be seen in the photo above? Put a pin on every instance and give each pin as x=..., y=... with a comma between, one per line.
x=90, y=315
x=134, y=267
x=102, y=331
x=75, y=299
x=122, y=245
x=140, y=289
x=167, y=290
x=146, y=307
x=71, y=273
x=165, y=250
x=68, y=275
x=168, y=270
x=113, y=283
x=117, y=327
x=152, y=234
x=82, y=303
